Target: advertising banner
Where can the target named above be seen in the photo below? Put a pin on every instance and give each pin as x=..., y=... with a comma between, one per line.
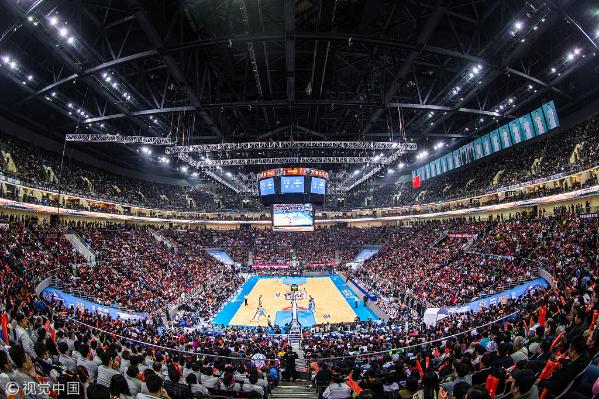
x=83, y=304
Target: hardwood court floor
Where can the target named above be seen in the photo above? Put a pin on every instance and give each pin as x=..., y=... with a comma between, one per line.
x=329, y=301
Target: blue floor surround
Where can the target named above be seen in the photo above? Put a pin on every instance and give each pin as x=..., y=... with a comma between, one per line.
x=283, y=317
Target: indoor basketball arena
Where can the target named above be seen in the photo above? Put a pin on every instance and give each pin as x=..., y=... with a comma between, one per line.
x=299, y=199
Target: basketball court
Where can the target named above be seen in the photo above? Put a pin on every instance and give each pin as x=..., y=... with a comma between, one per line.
x=334, y=302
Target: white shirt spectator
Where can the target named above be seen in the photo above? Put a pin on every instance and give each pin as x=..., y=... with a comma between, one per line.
x=105, y=374
x=337, y=391
x=22, y=337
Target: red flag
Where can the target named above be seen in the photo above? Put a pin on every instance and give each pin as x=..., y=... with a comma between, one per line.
x=4, y=322
x=491, y=385
x=563, y=300
x=557, y=340
x=531, y=322
x=550, y=368
x=416, y=182
x=419, y=367
x=428, y=362
x=51, y=330
x=595, y=314
x=542, y=315
x=353, y=385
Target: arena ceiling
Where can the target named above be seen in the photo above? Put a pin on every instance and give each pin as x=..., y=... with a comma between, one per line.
x=236, y=71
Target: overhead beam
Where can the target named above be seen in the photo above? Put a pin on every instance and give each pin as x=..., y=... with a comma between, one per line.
x=507, y=60
x=284, y=103
x=158, y=44
x=289, y=24
x=427, y=32
x=264, y=37
x=90, y=81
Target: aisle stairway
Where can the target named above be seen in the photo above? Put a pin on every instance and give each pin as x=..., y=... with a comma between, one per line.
x=293, y=391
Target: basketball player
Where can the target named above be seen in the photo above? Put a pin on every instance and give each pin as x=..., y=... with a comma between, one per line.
x=257, y=314
x=260, y=300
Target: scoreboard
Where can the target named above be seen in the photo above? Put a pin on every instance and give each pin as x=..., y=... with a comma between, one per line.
x=292, y=186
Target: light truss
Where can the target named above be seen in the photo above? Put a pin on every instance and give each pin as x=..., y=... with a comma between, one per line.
x=384, y=162
x=205, y=163
x=117, y=138
x=282, y=145
x=238, y=187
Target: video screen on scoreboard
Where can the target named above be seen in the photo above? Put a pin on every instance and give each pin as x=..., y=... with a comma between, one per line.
x=292, y=217
x=318, y=185
x=292, y=184
x=267, y=186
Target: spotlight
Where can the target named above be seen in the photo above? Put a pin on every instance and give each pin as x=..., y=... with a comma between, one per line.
x=553, y=70
x=6, y=59
x=53, y=21
x=229, y=174
x=195, y=174
x=30, y=77
x=184, y=169
x=518, y=25
x=71, y=40
x=63, y=32
x=13, y=65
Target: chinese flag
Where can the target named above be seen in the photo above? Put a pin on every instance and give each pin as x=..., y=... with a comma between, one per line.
x=416, y=182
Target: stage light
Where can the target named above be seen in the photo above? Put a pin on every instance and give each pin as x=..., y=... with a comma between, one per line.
x=184, y=169
x=13, y=65
x=101, y=125
x=356, y=172
x=518, y=25
x=63, y=32
x=53, y=20
x=401, y=165
x=71, y=40
x=390, y=171
x=195, y=174
x=530, y=87
x=30, y=77
x=570, y=56
x=6, y=59
x=576, y=51
x=553, y=70
x=482, y=120
x=229, y=174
